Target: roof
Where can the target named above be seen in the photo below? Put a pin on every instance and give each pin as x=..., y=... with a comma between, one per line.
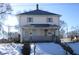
x=38, y=12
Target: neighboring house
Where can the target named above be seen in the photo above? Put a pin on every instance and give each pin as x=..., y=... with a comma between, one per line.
x=38, y=24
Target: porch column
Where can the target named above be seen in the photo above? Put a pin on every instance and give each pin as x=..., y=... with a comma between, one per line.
x=21, y=35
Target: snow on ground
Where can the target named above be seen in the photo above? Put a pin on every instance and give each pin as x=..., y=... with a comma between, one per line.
x=41, y=49
x=10, y=49
x=66, y=40
x=48, y=49
x=75, y=47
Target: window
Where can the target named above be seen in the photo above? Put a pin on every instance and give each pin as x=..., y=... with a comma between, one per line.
x=49, y=20
x=29, y=19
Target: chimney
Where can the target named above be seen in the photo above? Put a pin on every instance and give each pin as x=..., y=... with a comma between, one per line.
x=37, y=7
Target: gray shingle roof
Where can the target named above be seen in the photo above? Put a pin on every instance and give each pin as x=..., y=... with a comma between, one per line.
x=38, y=12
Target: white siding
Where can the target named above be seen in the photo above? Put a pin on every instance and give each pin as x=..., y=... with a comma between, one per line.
x=38, y=19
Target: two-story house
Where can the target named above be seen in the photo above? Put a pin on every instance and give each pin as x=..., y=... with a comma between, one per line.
x=38, y=25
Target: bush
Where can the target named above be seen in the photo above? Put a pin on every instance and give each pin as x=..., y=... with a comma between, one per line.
x=26, y=49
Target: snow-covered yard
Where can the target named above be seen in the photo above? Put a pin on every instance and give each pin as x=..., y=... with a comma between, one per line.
x=75, y=47
x=48, y=49
x=10, y=49
x=41, y=49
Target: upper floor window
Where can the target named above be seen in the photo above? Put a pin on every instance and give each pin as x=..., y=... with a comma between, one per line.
x=49, y=19
x=29, y=19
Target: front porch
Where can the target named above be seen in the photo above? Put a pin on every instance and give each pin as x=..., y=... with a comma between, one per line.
x=39, y=34
x=40, y=39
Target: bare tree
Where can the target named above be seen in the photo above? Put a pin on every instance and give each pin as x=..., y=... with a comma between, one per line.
x=5, y=9
x=63, y=25
x=74, y=31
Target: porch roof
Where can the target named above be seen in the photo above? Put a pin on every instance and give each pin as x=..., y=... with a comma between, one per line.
x=43, y=25
x=40, y=25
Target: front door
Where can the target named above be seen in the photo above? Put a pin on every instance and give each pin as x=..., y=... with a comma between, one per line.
x=46, y=30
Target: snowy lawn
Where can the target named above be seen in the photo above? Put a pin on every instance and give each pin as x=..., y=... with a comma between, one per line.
x=75, y=47
x=10, y=49
x=41, y=49
x=48, y=49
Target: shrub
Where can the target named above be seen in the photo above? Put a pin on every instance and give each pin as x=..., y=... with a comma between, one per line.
x=26, y=49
